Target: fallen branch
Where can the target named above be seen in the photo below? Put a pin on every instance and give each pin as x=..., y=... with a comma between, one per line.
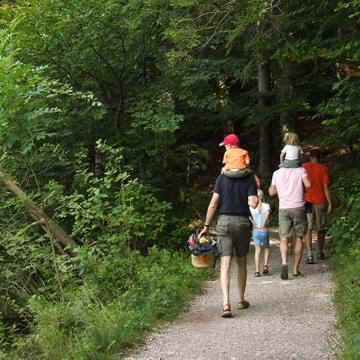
x=54, y=231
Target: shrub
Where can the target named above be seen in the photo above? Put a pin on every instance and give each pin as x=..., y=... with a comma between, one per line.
x=93, y=324
x=345, y=232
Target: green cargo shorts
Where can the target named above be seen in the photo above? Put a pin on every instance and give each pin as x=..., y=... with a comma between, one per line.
x=292, y=222
x=233, y=234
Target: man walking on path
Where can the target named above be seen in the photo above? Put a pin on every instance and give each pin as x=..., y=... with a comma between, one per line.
x=232, y=196
x=317, y=197
x=288, y=184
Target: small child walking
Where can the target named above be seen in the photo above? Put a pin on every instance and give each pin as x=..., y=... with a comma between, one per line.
x=260, y=218
x=236, y=160
x=291, y=152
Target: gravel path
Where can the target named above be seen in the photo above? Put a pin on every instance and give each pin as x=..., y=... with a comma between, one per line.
x=293, y=319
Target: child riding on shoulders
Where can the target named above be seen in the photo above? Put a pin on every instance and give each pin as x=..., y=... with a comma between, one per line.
x=236, y=160
x=291, y=153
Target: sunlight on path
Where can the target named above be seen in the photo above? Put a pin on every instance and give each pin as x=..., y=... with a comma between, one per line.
x=293, y=319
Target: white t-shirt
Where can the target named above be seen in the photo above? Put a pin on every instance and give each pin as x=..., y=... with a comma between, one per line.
x=293, y=152
x=259, y=215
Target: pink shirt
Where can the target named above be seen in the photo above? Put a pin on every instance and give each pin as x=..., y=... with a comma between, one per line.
x=290, y=187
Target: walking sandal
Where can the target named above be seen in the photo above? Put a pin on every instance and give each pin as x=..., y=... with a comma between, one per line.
x=266, y=269
x=242, y=305
x=226, y=311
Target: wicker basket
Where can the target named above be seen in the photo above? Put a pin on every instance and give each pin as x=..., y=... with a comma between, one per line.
x=203, y=261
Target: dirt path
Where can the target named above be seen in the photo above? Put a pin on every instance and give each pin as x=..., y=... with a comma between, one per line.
x=293, y=319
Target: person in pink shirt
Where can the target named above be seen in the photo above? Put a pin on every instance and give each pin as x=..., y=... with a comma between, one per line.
x=288, y=184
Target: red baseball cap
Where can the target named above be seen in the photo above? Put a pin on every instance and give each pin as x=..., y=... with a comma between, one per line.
x=231, y=139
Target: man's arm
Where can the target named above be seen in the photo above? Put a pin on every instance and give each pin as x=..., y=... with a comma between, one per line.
x=214, y=202
x=257, y=181
x=272, y=190
x=328, y=197
x=306, y=182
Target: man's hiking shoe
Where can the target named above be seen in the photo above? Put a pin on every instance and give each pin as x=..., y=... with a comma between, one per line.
x=310, y=260
x=284, y=272
x=321, y=256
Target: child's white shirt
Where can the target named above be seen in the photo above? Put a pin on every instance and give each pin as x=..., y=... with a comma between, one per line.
x=260, y=214
x=293, y=152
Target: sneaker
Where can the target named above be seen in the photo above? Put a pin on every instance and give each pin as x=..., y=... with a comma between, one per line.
x=310, y=260
x=284, y=272
x=321, y=256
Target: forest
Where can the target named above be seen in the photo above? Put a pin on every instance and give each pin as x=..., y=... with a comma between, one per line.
x=111, y=112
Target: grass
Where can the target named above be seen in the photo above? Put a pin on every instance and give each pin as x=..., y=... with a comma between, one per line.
x=347, y=275
x=345, y=232
x=86, y=327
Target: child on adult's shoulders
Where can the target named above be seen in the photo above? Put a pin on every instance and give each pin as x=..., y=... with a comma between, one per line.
x=236, y=160
x=291, y=153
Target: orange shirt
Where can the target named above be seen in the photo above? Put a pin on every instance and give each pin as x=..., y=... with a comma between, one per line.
x=318, y=175
x=236, y=158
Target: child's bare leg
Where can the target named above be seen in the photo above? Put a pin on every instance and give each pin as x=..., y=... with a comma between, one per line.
x=257, y=258
x=266, y=256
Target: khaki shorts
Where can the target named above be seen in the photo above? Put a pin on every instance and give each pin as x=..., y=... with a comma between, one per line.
x=316, y=216
x=233, y=235
x=292, y=222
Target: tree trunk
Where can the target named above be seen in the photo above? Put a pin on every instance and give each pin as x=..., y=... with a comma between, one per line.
x=99, y=163
x=264, y=132
x=54, y=231
x=287, y=121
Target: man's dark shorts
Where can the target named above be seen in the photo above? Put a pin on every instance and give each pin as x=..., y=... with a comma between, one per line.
x=292, y=222
x=233, y=235
x=316, y=215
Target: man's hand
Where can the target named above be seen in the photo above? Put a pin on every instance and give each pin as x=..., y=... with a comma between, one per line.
x=272, y=190
x=306, y=182
x=329, y=209
x=204, y=231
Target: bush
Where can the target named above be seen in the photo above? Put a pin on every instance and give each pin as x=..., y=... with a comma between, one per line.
x=95, y=324
x=345, y=232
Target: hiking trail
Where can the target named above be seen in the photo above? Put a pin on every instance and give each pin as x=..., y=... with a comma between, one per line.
x=292, y=319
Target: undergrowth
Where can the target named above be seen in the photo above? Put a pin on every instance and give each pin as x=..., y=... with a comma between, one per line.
x=119, y=301
x=345, y=232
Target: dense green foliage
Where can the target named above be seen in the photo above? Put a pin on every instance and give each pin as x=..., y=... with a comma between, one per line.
x=114, y=304
x=110, y=116
x=345, y=232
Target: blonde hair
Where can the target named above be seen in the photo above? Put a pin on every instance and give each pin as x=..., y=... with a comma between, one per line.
x=291, y=138
x=260, y=195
